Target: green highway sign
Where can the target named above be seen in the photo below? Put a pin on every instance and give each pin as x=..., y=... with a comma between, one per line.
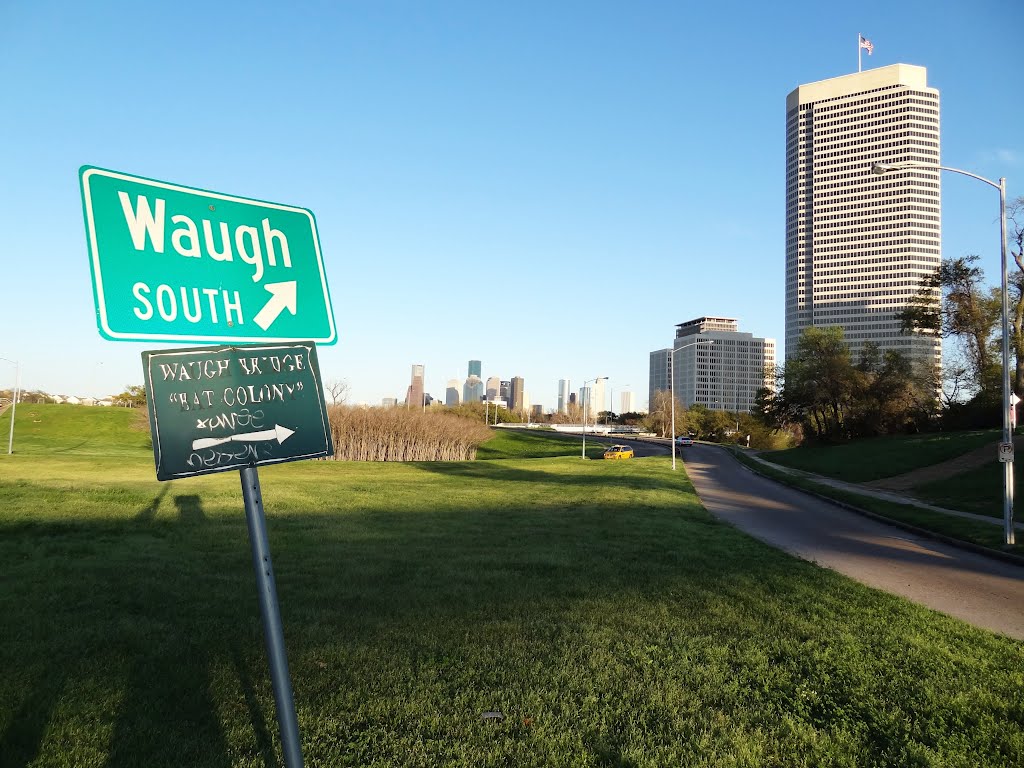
x=212, y=409
x=174, y=263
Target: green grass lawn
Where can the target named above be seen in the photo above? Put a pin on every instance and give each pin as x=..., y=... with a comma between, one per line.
x=979, y=490
x=864, y=460
x=608, y=616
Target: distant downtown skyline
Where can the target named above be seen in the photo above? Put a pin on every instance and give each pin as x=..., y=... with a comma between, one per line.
x=511, y=393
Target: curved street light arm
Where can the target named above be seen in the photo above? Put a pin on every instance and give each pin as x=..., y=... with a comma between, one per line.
x=880, y=168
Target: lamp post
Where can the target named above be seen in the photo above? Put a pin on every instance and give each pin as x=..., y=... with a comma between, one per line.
x=14, y=402
x=672, y=389
x=1006, y=449
x=586, y=398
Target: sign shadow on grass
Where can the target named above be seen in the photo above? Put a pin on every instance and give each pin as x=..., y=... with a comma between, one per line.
x=22, y=739
x=147, y=513
x=167, y=716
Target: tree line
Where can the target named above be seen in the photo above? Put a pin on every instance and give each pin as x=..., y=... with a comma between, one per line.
x=823, y=393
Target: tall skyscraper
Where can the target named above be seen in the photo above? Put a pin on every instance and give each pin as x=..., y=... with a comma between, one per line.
x=724, y=375
x=452, y=394
x=493, y=389
x=517, y=390
x=563, y=395
x=473, y=390
x=414, y=395
x=858, y=244
x=475, y=368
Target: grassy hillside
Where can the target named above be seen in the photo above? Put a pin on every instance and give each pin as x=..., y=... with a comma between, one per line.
x=863, y=460
x=596, y=605
x=49, y=428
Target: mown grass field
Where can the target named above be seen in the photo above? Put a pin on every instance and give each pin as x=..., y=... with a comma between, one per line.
x=978, y=490
x=536, y=444
x=973, y=531
x=609, y=618
x=864, y=460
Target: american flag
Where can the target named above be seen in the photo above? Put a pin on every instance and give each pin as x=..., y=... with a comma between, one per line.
x=865, y=43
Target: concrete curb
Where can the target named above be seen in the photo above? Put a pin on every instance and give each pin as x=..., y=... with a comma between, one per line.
x=1007, y=557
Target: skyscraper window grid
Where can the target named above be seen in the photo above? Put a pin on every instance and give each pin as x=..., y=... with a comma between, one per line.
x=858, y=245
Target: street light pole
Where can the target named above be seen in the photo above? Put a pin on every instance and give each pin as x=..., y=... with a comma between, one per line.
x=586, y=399
x=672, y=390
x=14, y=402
x=1007, y=442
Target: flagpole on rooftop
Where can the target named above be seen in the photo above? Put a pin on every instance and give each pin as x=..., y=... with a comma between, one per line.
x=859, y=47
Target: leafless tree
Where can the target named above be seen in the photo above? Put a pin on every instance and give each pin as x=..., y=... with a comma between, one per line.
x=338, y=390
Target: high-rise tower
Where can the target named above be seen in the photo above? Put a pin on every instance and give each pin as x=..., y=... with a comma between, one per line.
x=858, y=244
x=414, y=395
x=518, y=402
x=563, y=395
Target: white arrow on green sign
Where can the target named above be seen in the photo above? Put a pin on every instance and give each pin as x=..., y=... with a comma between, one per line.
x=174, y=263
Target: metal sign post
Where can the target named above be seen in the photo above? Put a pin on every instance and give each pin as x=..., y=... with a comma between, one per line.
x=270, y=613
x=213, y=409
x=175, y=263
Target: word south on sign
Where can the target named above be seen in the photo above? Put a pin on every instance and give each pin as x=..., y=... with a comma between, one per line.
x=175, y=263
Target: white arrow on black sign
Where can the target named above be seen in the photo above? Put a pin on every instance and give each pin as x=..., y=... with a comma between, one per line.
x=278, y=433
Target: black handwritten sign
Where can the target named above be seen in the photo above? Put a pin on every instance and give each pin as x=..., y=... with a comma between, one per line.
x=212, y=409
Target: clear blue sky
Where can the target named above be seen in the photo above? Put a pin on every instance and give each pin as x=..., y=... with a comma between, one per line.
x=546, y=187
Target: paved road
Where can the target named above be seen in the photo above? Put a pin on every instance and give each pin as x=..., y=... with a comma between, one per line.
x=985, y=592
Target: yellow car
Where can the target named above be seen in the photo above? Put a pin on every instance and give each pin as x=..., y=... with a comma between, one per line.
x=619, y=452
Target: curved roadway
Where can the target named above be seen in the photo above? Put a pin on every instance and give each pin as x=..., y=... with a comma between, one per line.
x=983, y=591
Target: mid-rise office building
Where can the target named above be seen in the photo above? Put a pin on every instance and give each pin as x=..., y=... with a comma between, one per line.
x=857, y=243
x=715, y=365
x=627, y=402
